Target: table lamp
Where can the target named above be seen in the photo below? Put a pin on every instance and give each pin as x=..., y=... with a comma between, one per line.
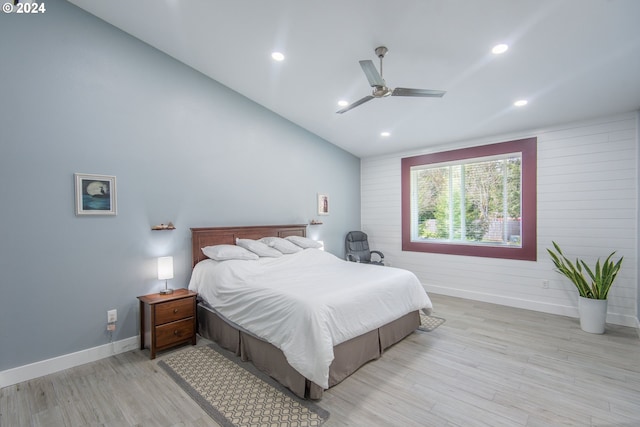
x=165, y=272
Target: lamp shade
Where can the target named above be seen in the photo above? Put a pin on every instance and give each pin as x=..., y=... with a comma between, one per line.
x=165, y=268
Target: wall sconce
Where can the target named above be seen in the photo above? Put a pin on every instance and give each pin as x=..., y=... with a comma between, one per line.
x=165, y=272
x=169, y=226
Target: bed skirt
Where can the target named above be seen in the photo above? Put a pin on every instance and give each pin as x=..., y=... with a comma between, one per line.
x=348, y=356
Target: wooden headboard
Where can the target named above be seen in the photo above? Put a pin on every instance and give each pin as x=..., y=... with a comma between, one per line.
x=209, y=236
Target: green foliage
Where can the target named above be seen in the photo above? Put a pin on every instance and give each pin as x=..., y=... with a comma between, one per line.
x=476, y=223
x=601, y=277
x=443, y=215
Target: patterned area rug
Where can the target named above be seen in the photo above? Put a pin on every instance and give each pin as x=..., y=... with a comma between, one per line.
x=235, y=393
x=429, y=323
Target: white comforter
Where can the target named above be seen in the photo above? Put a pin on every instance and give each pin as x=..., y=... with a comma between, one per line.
x=308, y=302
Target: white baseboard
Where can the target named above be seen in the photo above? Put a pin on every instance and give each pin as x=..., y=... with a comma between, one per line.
x=562, y=310
x=45, y=367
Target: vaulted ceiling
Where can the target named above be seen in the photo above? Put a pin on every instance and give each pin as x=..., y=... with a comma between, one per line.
x=570, y=59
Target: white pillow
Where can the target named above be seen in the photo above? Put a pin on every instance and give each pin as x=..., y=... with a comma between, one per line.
x=225, y=252
x=284, y=246
x=303, y=242
x=258, y=248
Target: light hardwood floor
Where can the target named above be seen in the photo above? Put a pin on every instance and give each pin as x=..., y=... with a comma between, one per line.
x=488, y=365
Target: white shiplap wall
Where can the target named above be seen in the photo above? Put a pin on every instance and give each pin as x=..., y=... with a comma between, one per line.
x=587, y=198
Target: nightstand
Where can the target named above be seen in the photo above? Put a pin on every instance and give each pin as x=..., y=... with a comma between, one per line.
x=167, y=320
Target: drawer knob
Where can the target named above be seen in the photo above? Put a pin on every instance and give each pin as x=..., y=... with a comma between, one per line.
x=175, y=310
x=175, y=332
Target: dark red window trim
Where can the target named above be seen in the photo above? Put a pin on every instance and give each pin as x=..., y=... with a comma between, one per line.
x=528, y=250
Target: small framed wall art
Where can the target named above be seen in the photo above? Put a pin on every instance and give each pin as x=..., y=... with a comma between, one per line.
x=323, y=204
x=95, y=194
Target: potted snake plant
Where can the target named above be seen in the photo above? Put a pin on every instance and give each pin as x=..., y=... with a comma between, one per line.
x=593, y=287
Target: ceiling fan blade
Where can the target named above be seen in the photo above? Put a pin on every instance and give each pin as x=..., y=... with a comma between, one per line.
x=355, y=104
x=374, y=77
x=403, y=91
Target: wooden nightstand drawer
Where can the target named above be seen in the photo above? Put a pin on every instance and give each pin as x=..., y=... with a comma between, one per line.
x=174, y=310
x=174, y=332
x=167, y=320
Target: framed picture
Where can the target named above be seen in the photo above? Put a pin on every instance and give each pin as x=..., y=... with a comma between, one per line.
x=323, y=204
x=95, y=194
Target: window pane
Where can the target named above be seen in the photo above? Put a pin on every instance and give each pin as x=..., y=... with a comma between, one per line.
x=432, y=190
x=493, y=201
x=478, y=201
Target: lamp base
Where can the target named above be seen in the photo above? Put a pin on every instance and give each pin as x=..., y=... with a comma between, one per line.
x=166, y=292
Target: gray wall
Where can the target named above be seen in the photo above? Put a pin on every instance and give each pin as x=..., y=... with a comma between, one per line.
x=78, y=95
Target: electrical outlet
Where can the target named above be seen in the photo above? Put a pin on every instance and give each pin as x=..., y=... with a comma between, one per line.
x=545, y=284
x=112, y=316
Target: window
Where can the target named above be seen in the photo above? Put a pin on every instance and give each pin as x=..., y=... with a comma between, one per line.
x=478, y=201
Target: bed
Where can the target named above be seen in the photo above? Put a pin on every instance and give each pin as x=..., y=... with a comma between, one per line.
x=311, y=362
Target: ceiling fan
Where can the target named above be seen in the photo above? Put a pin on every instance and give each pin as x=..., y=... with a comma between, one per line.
x=380, y=89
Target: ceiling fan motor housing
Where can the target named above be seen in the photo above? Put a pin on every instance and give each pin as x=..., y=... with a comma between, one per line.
x=381, y=91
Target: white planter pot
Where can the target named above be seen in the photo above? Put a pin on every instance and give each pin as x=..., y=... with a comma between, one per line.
x=593, y=314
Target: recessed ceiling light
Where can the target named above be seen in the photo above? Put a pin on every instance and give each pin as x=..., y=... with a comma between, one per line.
x=521, y=103
x=277, y=56
x=499, y=48
x=343, y=103
x=385, y=134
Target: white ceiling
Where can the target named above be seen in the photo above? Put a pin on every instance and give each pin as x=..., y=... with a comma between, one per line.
x=572, y=59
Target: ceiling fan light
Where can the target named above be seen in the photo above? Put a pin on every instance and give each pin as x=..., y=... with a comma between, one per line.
x=277, y=56
x=343, y=103
x=385, y=134
x=499, y=48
